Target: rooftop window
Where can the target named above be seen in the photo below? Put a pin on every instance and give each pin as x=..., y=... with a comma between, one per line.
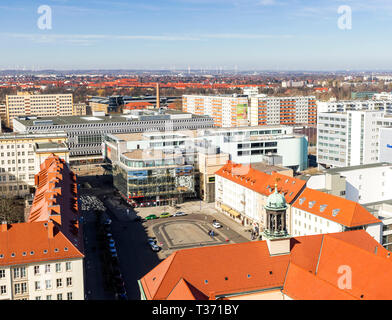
x=322, y=207
x=311, y=204
x=302, y=200
x=335, y=212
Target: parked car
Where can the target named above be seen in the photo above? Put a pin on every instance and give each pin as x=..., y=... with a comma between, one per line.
x=155, y=248
x=165, y=215
x=113, y=252
x=217, y=225
x=151, y=241
x=179, y=214
x=151, y=217
x=108, y=222
x=112, y=243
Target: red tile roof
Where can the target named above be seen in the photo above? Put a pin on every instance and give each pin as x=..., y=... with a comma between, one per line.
x=350, y=214
x=237, y=268
x=53, y=222
x=22, y=239
x=262, y=182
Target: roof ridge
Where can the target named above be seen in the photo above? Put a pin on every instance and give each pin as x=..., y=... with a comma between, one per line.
x=174, y=255
x=360, y=248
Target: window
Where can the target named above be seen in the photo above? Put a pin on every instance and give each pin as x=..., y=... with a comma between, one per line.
x=17, y=288
x=69, y=282
x=48, y=284
x=24, y=287
x=3, y=289
x=38, y=298
x=59, y=283
x=58, y=267
x=2, y=273
x=47, y=268
x=69, y=295
x=59, y=296
x=36, y=270
x=37, y=285
x=49, y=297
x=68, y=266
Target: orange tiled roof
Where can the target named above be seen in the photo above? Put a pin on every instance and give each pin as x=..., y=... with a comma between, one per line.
x=262, y=182
x=340, y=210
x=21, y=239
x=56, y=198
x=237, y=268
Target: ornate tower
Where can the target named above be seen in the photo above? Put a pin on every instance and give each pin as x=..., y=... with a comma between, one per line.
x=275, y=233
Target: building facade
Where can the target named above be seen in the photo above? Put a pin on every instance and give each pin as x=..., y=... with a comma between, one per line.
x=283, y=110
x=42, y=259
x=227, y=111
x=349, y=139
x=50, y=105
x=85, y=134
x=21, y=156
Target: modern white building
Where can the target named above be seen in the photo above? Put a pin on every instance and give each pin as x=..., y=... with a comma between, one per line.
x=243, y=145
x=349, y=138
x=385, y=144
x=349, y=105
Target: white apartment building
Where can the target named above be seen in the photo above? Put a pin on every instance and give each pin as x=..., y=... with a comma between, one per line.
x=44, y=105
x=316, y=212
x=241, y=192
x=36, y=264
x=282, y=110
x=350, y=138
x=226, y=110
x=348, y=105
x=21, y=156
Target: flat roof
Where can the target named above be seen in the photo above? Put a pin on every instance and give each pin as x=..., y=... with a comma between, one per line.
x=68, y=120
x=149, y=155
x=363, y=166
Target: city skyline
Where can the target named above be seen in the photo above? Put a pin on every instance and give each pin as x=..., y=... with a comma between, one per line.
x=180, y=34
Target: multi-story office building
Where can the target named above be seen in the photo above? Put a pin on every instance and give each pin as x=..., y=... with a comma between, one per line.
x=21, y=156
x=226, y=110
x=282, y=110
x=42, y=105
x=85, y=134
x=42, y=259
x=254, y=144
x=147, y=178
x=351, y=138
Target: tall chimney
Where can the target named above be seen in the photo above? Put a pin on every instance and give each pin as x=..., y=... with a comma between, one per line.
x=158, y=97
x=4, y=226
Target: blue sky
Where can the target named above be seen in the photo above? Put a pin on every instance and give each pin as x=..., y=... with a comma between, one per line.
x=249, y=34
